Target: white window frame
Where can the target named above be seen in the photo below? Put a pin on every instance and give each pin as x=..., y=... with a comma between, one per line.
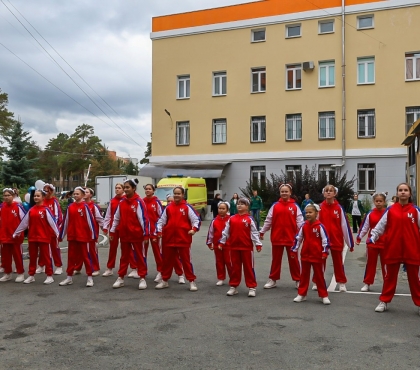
x=329, y=125
x=364, y=17
x=295, y=120
x=320, y=23
x=363, y=170
x=185, y=81
x=259, y=72
x=327, y=65
x=183, y=133
x=293, y=170
x=294, y=68
x=262, y=125
x=365, y=114
x=415, y=112
x=415, y=59
x=253, y=32
x=259, y=171
x=221, y=77
x=365, y=62
x=219, y=131
x=289, y=26
x=328, y=170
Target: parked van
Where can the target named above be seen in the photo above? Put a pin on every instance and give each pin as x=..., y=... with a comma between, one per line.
x=195, y=191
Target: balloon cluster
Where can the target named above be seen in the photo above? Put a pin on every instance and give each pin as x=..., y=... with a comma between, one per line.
x=29, y=196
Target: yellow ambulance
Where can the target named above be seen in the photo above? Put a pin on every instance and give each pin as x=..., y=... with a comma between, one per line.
x=195, y=191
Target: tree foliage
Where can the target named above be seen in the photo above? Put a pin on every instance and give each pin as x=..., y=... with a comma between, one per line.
x=148, y=152
x=6, y=119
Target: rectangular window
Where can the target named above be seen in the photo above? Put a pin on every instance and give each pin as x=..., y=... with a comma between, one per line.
x=293, y=30
x=258, y=129
x=183, y=87
x=219, y=83
x=366, y=123
x=327, y=74
x=365, y=71
x=294, y=127
x=365, y=22
x=326, y=122
x=258, y=35
x=412, y=66
x=183, y=133
x=219, y=131
x=258, y=176
x=412, y=114
x=326, y=172
x=326, y=27
x=293, y=171
x=258, y=82
x=366, y=172
x=293, y=76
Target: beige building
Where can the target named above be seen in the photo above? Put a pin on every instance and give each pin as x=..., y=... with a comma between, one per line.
x=243, y=91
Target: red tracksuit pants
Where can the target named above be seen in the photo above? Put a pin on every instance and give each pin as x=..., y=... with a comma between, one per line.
x=79, y=251
x=9, y=251
x=44, y=250
x=171, y=257
x=93, y=251
x=318, y=278
x=127, y=249
x=112, y=256
x=223, y=263
x=245, y=259
x=277, y=256
x=372, y=255
x=157, y=253
x=337, y=258
x=390, y=282
x=55, y=252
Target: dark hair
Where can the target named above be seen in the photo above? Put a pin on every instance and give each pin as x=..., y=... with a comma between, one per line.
x=151, y=185
x=181, y=188
x=233, y=196
x=43, y=192
x=133, y=183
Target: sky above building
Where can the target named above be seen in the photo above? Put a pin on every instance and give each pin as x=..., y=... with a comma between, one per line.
x=64, y=63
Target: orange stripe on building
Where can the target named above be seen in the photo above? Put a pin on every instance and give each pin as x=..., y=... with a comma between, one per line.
x=259, y=9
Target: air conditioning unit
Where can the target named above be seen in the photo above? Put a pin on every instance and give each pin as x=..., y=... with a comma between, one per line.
x=308, y=66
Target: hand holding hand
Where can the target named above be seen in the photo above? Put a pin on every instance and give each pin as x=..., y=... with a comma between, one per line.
x=191, y=232
x=259, y=248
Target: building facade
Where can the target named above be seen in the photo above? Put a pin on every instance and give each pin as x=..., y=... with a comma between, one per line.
x=277, y=85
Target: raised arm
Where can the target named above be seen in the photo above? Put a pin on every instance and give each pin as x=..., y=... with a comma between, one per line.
x=24, y=223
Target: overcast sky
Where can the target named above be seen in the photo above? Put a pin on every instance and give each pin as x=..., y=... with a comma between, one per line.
x=107, y=42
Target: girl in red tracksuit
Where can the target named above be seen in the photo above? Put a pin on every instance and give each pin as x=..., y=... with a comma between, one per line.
x=284, y=219
x=334, y=219
x=41, y=224
x=79, y=226
x=313, y=240
x=133, y=224
x=401, y=226
x=242, y=234
x=214, y=234
x=373, y=251
x=178, y=223
x=11, y=214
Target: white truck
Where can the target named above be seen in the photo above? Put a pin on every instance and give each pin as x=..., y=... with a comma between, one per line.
x=105, y=185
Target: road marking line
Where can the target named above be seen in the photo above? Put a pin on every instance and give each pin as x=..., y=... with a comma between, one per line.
x=375, y=293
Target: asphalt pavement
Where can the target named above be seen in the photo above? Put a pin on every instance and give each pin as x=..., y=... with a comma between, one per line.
x=75, y=327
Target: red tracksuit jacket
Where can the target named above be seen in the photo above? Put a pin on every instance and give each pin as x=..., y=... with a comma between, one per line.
x=78, y=224
x=334, y=219
x=55, y=208
x=284, y=219
x=41, y=223
x=216, y=228
x=313, y=239
x=10, y=217
x=154, y=211
x=97, y=217
x=241, y=232
x=175, y=222
x=401, y=223
x=109, y=215
x=131, y=220
x=369, y=222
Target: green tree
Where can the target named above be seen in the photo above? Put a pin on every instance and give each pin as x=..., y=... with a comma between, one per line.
x=6, y=119
x=148, y=152
x=131, y=169
x=103, y=165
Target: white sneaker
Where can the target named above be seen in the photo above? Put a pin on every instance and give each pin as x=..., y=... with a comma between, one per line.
x=300, y=298
x=20, y=278
x=162, y=285
x=133, y=274
x=1, y=269
x=95, y=273
x=40, y=270
x=382, y=306
x=29, y=279
x=108, y=272
x=297, y=284
x=76, y=272
x=118, y=284
x=220, y=282
x=270, y=284
x=342, y=288
x=326, y=300
x=143, y=284
x=365, y=288
x=193, y=286
x=66, y=281
x=232, y=291
x=49, y=280
x=314, y=287
x=89, y=283
x=252, y=292
x=181, y=279
x=58, y=271
x=158, y=278
x=6, y=277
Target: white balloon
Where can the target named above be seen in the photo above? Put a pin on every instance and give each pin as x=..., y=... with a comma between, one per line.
x=39, y=184
x=27, y=197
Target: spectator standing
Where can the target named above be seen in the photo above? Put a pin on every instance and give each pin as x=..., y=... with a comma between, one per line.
x=233, y=210
x=215, y=205
x=256, y=206
x=305, y=202
x=357, y=211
